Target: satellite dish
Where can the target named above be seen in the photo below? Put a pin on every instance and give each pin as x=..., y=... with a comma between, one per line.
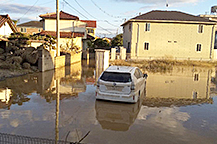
x=214, y=9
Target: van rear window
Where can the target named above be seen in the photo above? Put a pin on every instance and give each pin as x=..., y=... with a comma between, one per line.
x=116, y=77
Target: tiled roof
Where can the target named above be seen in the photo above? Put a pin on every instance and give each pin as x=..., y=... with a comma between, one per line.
x=6, y=18
x=169, y=16
x=63, y=15
x=63, y=34
x=36, y=24
x=90, y=23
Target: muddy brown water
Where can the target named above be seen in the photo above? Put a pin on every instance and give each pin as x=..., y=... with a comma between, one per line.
x=178, y=107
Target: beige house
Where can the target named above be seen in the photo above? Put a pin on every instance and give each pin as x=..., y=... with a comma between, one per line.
x=90, y=27
x=160, y=34
x=31, y=27
x=72, y=30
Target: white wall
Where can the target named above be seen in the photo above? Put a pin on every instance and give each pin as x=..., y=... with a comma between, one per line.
x=65, y=25
x=5, y=30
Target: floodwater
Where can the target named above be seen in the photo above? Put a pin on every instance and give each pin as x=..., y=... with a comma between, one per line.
x=178, y=107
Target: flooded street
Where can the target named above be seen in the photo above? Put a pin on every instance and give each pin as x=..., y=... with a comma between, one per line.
x=178, y=107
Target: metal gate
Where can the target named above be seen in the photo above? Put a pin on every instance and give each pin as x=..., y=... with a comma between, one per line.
x=17, y=139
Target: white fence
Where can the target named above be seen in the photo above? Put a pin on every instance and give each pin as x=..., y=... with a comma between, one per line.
x=116, y=55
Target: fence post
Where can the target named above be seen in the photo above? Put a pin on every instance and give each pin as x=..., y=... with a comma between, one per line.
x=102, y=61
x=113, y=53
x=122, y=53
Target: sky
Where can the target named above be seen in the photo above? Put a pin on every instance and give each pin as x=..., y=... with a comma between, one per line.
x=110, y=14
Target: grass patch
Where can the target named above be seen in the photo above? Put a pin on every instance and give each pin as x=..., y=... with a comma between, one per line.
x=163, y=65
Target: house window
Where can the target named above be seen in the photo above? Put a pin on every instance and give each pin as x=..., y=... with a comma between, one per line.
x=90, y=31
x=200, y=29
x=196, y=77
x=147, y=27
x=130, y=27
x=198, y=48
x=23, y=30
x=146, y=46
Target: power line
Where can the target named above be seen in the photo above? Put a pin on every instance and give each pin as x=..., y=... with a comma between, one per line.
x=85, y=16
x=74, y=9
x=105, y=29
x=104, y=11
x=93, y=16
x=85, y=10
x=29, y=9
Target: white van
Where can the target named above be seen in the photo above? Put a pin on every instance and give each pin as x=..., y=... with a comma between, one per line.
x=121, y=83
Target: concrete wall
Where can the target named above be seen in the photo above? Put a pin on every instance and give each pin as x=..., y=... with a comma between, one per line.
x=73, y=58
x=68, y=42
x=46, y=60
x=5, y=30
x=59, y=61
x=177, y=40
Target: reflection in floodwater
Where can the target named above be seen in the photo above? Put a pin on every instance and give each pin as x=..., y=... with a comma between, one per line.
x=30, y=107
x=16, y=90
x=62, y=84
x=181, y=87
x=117, y=116
x=5, y=95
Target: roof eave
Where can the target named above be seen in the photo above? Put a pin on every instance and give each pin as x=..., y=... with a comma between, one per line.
x=169, y=21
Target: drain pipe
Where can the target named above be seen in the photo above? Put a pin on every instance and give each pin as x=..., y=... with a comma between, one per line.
x=211, y=45
x=137, y=41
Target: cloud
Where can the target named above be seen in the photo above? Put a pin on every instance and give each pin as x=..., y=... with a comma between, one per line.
x=155, y=4
x=159, y=1
x=22, y=9
x=171, y=119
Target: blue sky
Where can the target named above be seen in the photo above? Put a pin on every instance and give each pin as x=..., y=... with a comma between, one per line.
x=110, y=14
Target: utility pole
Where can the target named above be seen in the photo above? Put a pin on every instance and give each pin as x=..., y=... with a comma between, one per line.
x=57, y=81
x=57, y=28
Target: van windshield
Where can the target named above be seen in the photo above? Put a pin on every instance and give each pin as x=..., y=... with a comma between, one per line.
x=116, y=77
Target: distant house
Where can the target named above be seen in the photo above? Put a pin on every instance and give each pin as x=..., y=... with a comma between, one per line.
x=90, y=27
x=72, y=30
x=6, y=28
x=160, y=34
x=31, y=27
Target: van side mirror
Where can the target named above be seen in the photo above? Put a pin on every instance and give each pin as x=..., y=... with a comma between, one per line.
x=145, y=75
